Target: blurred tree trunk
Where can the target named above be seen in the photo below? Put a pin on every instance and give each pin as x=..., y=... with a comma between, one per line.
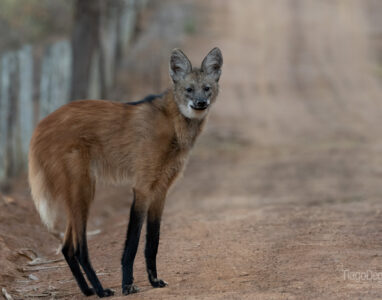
x=109, y=35
x=85, y=41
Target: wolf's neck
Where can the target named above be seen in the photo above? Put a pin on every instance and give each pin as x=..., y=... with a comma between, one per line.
x=186, y=130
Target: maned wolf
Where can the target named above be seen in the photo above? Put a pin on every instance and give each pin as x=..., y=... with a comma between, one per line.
x=144, y=143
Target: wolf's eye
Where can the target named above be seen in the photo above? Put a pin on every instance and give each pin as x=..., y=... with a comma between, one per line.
x=189, y=90
x=206, y=88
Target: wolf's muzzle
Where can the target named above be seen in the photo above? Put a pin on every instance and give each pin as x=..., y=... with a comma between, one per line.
x=200, y=104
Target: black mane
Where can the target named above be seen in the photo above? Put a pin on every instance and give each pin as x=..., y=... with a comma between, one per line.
x=147, y=99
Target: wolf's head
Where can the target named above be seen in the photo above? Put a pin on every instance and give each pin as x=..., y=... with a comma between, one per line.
x=195, y=89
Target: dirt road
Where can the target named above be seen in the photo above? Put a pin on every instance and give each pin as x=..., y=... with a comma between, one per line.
x=282, y=195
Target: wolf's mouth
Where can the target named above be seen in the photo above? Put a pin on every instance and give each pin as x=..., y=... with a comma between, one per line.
x=199, y=107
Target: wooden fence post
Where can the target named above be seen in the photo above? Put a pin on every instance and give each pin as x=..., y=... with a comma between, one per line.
x=4, y=83
x=8, y=108
x=25, y=102
x=95, y=87
x=108, y=44
x=55, y=81
x=127, y=24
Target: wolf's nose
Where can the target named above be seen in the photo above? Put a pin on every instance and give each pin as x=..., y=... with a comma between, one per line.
x=201, y=103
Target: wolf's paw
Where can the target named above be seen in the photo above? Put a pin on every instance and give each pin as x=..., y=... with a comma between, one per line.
x=106, y=293
x=158, y=283
x=130, y=289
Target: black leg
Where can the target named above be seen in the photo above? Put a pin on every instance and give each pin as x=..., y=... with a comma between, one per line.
x=68, y=252
x=131, y=246
x=83, y=258
x=151, y=250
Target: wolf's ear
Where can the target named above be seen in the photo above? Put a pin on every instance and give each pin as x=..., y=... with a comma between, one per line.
x=180, y=66
x=212, y=63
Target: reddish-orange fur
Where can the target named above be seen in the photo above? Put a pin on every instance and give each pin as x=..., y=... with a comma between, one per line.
x=86, y=141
